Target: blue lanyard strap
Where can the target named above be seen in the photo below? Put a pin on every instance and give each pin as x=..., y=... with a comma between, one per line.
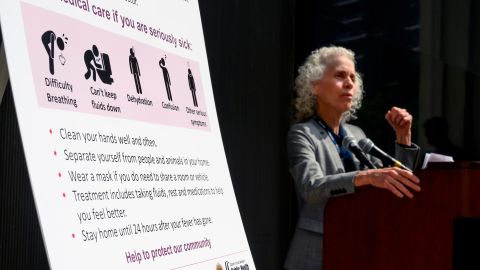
x=336, y=139
x=345, y=155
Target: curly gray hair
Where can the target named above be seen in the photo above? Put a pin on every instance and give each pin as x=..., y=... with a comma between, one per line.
x=312, y=70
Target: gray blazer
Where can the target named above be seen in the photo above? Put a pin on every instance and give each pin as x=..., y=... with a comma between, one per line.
x=319, y=174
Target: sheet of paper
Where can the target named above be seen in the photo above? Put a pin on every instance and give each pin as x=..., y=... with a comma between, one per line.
x=434, y=157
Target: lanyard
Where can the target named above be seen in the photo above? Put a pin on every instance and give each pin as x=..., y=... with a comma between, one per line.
x=345, y=156
x=330, y=132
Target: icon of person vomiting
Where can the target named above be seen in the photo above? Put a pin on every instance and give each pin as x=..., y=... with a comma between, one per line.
x=98, y=63
x=166, y=78
x=191, y=84
x=91, y=58
x=135, y=70
x=49, y=39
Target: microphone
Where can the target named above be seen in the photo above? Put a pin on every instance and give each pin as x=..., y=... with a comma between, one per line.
x=351, y=144
x=370, y=148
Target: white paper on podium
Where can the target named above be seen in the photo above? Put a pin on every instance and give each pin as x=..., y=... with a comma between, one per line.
x=434, y=157
x=121, y=137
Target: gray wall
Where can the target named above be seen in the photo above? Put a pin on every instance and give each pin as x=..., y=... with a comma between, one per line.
x=250, y=53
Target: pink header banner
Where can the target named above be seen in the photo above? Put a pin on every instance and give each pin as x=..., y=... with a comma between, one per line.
x=82, y=68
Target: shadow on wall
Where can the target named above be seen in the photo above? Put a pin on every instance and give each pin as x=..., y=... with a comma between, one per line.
x=437, y=134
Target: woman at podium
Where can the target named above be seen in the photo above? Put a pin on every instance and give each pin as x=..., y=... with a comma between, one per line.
x=323, y=153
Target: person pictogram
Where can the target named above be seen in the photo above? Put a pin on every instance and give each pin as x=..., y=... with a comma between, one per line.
x=50, y=41
x=166, y=78
x=135, y=70
x=98, y=63
x=191, y=85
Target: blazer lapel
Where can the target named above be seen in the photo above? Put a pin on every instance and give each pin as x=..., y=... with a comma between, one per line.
x=330, y=147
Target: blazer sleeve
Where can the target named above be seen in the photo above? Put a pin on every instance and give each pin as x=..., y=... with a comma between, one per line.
x=313, y=182
x=407, y=155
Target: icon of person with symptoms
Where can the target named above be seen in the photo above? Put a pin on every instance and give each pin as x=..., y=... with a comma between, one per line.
x=166, y=78
x=49, y=39
x=97, y=62
x=135, y=70
x=191, y=84
x=92, y=56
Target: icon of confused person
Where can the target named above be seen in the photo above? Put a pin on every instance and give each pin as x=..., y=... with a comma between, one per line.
x=166, y=78
x=50, y=41
x=98, y=63
x=135, y=70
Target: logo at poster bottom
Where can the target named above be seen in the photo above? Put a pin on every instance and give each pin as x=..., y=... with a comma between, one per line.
x=238, y=265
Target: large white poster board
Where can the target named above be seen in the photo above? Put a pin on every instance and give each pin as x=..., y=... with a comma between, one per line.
x=120, y=133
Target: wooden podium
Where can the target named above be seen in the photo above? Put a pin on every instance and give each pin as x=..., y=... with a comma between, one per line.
x=437, y=229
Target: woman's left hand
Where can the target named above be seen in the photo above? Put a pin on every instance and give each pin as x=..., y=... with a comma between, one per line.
x=401, y=121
